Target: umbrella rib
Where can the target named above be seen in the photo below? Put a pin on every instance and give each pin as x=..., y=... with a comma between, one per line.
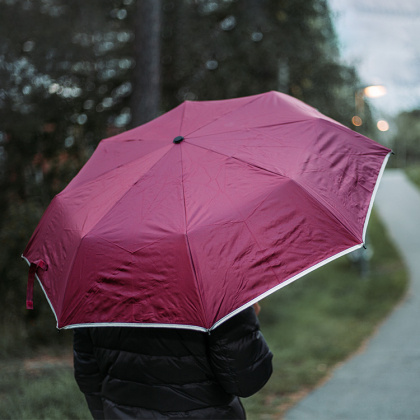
x=223, y=115
x=236, y=158
x=199, y=289
x=181, y=122
x=239, y=130
x=67, y=284
x=308, y=191
x=109, y=170
x=314, y=197
x=99, y=220
x=327, y=206
x=127, y=190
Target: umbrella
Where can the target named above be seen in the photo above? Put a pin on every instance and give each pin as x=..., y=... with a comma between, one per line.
x=190, y=218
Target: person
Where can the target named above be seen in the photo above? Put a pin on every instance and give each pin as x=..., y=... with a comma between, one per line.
x=172, y=373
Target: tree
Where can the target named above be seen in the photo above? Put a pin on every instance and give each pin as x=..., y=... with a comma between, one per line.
x=145, y=97
x=65, y=82
x=406, y=141
x=222, y=49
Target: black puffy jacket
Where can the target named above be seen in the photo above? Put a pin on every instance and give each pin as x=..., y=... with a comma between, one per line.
x=156, y=373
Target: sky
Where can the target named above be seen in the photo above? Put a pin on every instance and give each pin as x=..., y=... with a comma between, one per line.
x=382, y=39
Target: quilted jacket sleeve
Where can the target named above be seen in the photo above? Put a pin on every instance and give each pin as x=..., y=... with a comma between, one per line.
x=239, y=355
x=86, y=371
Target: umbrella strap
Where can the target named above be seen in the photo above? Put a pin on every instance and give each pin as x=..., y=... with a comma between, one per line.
x=30, y=289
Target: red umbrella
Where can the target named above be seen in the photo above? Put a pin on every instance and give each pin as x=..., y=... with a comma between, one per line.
x=190, y=218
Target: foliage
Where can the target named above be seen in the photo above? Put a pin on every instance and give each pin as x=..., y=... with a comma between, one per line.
x=406, y=142
x=224, y=49
x=40, y=389
x=413, y=173
x=64, y=77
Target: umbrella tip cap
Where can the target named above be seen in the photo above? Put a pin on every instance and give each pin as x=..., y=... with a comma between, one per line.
x=178, y=139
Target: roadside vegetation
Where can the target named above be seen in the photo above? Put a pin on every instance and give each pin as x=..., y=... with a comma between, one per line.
x=310, y=325
x=413, y=173
x=323, y=318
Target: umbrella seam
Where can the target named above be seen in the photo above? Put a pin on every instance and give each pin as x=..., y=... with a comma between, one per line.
x=127, y=191
x=181, y=123
x=375, y=190
x=249, y=128
x=67, y=281
x=149, y=123
x=83, y=184
x=244, y=221
x=198, y=285
x=312, y=194
x=312, y=119
x=285, y=283
x=326, y=206
x=256, y=97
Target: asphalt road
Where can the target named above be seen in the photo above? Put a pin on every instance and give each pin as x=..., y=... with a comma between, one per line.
x=382, y=382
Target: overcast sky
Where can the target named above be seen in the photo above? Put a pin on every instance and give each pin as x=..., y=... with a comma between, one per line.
x=382, y=39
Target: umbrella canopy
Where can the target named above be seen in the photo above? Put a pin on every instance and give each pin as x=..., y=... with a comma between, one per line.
x=188, y=219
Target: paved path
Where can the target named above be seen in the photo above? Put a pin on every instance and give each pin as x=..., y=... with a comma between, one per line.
x=382, y=382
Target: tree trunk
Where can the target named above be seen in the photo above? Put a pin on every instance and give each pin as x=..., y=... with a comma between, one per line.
x=145, y=97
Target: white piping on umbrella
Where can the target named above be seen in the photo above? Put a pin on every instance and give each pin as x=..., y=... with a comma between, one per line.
x=195, y=327
x=112, y=324
x=285, y=283
x=248, y=304
x=136, y=324
x=320, y=264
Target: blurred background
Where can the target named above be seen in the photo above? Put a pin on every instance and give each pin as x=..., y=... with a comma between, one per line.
x=74, y=72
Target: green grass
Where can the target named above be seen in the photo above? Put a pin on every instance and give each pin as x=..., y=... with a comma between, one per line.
x=44, y=390
x=310, y=325
x=322, y=318
x=413, y=173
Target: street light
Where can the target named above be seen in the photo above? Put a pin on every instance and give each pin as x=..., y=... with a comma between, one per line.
x=382, y=125
x=374, y=91
x=370, y=91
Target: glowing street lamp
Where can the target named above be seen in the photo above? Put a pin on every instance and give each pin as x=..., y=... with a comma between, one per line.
x=382, y=125
x=371, y=91
x=374, y=91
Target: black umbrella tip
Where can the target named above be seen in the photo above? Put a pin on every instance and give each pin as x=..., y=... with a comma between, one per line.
x=178, y=139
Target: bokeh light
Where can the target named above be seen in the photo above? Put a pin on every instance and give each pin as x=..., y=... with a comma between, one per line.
x=382, y=125
x=374, y=91
x=357, y=121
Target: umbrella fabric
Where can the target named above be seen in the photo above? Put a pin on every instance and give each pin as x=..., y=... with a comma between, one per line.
x=203, y=211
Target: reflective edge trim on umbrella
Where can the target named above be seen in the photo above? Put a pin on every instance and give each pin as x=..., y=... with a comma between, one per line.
x=135, y=324
x=42, y=287
x=285, y=283
x=320, y=264
x=375, y=190
x=113, y=324
x=248, y=304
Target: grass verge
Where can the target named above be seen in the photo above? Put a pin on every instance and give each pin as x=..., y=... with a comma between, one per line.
x=413, y=173
x=310, y=325
x=324, y=317
x=42, y=388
